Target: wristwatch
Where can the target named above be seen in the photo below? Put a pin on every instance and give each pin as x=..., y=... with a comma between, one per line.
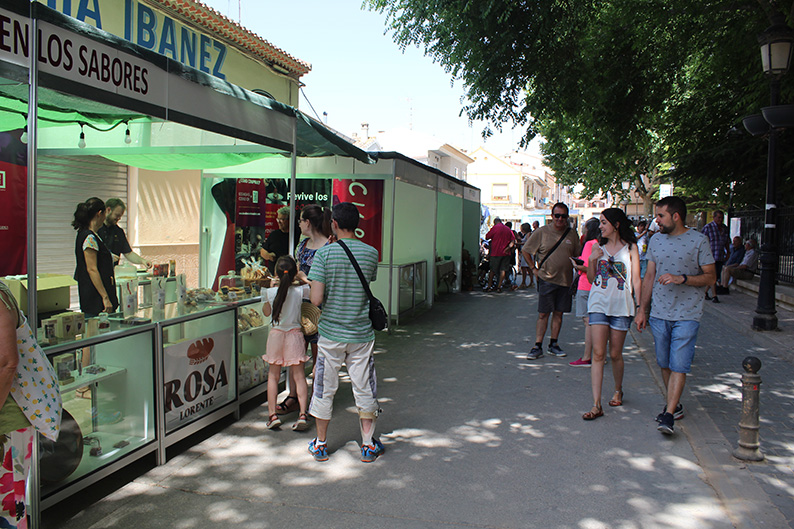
x=685, y=278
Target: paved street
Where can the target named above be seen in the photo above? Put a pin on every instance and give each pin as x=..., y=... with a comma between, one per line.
x=478, y=436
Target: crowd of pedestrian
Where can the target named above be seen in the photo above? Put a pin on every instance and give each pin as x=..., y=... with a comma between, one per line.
x=654, y=275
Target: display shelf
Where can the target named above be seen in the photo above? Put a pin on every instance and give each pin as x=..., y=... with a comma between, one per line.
x=86, y=378
x=91, y=463
x=252, y=330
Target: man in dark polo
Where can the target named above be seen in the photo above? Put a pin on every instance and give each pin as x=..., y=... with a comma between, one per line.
x=114, y=237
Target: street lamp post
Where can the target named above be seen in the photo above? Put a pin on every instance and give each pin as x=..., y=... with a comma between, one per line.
x=776, y=45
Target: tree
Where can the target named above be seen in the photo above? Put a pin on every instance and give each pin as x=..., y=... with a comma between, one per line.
x=626, y=90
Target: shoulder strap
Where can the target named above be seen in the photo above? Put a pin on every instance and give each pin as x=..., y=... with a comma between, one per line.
x=364, y=282
x=564, y=235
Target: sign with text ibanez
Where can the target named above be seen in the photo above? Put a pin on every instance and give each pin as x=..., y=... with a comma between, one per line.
x=197, y=379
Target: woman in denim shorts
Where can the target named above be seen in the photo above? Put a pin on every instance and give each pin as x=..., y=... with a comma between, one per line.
x=614, y=271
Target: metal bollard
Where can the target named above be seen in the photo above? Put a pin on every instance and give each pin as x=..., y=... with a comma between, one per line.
x=748, y=449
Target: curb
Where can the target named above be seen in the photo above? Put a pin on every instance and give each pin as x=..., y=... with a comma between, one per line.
x=742, y=497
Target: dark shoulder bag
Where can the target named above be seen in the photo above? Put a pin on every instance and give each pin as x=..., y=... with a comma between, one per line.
x=377, y=313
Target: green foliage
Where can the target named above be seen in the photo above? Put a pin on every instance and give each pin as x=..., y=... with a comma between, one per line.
x=622, y=90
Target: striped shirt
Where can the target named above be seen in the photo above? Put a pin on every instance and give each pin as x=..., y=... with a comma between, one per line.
x=345, y=316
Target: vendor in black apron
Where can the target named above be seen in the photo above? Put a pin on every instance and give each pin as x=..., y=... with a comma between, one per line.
x=94, y=271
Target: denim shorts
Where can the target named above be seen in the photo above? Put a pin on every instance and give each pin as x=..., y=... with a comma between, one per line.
x=675, y=343
x=619, y=323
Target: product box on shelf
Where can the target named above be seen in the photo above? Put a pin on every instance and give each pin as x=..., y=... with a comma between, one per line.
x=65, y=326
x=53, y=291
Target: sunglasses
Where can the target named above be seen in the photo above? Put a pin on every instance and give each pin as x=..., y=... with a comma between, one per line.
x=560, y=215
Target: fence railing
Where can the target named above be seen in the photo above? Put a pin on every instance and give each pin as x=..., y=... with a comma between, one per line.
x=752, y=225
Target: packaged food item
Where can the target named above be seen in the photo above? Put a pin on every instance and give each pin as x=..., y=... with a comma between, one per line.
x=64, y=326
x=255, y=273
x=49, y=331
x=104, y=323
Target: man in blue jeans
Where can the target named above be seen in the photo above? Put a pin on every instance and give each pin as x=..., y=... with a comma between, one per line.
x=680, y=268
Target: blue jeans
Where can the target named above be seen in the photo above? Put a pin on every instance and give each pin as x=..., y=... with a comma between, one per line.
x=675, y=343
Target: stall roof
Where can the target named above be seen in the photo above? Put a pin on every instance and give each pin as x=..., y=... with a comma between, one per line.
x=392, y=155
x=186, y=96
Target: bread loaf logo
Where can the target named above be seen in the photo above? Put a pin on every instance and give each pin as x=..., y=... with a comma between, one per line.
x=199, y=351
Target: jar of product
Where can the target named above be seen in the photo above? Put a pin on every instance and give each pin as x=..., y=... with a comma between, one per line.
x=104, y=322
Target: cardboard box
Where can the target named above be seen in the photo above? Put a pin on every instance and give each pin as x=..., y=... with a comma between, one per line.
x=53, y=291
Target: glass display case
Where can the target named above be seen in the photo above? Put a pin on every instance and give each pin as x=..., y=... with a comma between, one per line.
x=412, y=287
x=199, y=361
x=252, y=332
x=107, y=387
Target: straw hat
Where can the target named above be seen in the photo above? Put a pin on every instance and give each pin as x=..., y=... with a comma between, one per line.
x=310, y=316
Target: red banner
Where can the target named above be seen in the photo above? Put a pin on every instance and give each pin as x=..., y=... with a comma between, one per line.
x=367, y=195
x=250, y=202
x=13, y=204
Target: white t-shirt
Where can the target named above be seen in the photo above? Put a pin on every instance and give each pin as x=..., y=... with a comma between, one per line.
x=290, y=317
x=610, y=293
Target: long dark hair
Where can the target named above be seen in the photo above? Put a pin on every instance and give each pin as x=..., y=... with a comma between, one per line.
x=591, y=230
x=622, y=224
x=286, y=270
x=86, y=211
x=319, y=218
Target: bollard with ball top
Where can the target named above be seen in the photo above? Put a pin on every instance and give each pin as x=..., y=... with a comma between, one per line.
x=748, y=449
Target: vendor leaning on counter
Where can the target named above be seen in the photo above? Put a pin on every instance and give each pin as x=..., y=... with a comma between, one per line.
x=277, y=243
x=114, y=237
x=94, y=271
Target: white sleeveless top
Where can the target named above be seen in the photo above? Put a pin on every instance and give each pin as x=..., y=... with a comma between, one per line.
x=611, y=290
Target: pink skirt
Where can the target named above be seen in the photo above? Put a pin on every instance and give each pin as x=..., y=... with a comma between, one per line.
x=285, y=348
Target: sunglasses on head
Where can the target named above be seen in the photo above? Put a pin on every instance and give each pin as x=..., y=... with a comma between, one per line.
x=560, y=215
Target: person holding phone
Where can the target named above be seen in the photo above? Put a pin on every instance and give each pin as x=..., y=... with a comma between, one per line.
x=591, y=233
x=614, y=270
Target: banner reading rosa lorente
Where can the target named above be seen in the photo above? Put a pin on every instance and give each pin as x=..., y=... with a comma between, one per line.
x=197, y=377
x=13, y=204
x=367, y=195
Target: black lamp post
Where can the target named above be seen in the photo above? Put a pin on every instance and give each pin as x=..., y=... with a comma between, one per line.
x=776, y=45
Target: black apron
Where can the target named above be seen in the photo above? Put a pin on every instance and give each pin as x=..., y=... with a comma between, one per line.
x=90, y=300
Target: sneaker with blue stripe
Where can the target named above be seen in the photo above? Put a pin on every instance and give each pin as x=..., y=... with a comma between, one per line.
x=370, y=453
x=318, y=450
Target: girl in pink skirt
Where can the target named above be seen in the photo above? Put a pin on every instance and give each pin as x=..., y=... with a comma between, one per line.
x=285, y=343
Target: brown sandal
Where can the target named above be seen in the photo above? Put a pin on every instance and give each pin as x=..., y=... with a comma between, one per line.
x=592, y=415
x=273, y=422
x=617, y=401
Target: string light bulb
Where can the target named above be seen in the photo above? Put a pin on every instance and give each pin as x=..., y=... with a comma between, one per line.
x=127, y=137
x=81, y=142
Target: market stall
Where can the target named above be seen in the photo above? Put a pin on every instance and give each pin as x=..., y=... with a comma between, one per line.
x=91, y=105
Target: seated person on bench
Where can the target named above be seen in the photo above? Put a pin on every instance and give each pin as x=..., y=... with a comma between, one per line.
x=744, y=270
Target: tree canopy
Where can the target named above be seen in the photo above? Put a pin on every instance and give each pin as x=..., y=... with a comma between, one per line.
x=643, y=91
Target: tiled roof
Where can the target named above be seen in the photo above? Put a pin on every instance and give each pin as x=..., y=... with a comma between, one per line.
x=218, y=24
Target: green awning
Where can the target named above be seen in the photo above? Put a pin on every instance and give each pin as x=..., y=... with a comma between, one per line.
x=186, y=96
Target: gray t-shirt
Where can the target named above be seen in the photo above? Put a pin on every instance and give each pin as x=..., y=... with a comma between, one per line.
x=683, y=254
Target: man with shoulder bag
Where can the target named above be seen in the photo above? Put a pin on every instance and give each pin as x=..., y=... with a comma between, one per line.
x=346, y=331
x=552, y=246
